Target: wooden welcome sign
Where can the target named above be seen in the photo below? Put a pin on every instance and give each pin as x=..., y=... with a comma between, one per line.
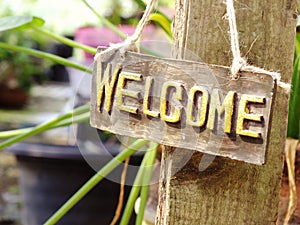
x=183, y=104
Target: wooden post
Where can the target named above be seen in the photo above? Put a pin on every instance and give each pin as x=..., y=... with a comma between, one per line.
x=229, y=191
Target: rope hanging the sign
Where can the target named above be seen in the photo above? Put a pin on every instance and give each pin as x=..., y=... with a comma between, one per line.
x=238, y=62
x=130, y=42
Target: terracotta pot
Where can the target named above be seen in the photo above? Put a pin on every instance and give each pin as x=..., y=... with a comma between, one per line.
x=12, y=98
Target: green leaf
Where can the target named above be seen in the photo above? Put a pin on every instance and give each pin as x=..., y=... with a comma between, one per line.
x=141, y=4
x=45, y=55
x=159, y=18
x=93, y=181
x=294, y=104
x=297, y=44
x=45, y=126
x=163, y=21
x=146, y=182
x=13, y=22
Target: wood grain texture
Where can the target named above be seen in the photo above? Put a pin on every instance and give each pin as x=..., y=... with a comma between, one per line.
x=228, y=191
x=188, y=74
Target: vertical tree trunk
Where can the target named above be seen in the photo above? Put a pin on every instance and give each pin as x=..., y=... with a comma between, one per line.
x=229, y=191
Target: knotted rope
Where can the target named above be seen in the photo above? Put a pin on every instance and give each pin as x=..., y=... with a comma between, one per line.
x=238, y=62
x=130, y=42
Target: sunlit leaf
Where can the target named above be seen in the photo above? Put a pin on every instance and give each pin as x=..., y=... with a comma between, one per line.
x=297, y=45
x=159, y=18
x=163, y=21
x=294, y=104
x=141, y=4
x=13, y=22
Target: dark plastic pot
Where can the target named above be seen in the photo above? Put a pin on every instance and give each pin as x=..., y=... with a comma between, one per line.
x=49, y=175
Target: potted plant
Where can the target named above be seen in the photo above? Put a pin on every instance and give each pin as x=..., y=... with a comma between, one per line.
x=81, y=114
x=18, y=70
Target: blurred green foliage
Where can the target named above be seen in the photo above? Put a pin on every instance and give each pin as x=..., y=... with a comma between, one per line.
x=294, y=104
x=19, y=70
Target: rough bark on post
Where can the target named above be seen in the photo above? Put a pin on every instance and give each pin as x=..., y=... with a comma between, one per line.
x=229, y=191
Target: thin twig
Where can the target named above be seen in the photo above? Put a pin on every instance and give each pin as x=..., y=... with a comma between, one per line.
x=290, y=155
x=251, y=46
x=121, y=196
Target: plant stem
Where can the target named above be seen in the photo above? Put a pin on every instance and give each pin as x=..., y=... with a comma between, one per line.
x=143, y=6
x=12, y=133
x=45, y=55
x=115, y=29
x=138, y=182
x=66, y=41
x=134, y=193
x=78, y=119
x=95, y=180
x=105, y=21
x=146, y=182
x=44, y=126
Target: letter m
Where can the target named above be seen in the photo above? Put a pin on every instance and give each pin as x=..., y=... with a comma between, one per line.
x=106, y=86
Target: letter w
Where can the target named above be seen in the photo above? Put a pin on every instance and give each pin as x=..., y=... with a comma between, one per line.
x=106, y=85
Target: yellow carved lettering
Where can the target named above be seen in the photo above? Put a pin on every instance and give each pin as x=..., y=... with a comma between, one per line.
x=121, y=92
x=165, y=97
x=146, y=102
x=108, y=84
x=227, y=106
x=192, y=120
x=243, y=113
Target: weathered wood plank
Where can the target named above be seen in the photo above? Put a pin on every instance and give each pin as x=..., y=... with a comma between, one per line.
x=194, y=119
x=228, y=191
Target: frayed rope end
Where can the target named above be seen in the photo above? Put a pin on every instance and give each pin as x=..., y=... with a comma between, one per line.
x=286, y=87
